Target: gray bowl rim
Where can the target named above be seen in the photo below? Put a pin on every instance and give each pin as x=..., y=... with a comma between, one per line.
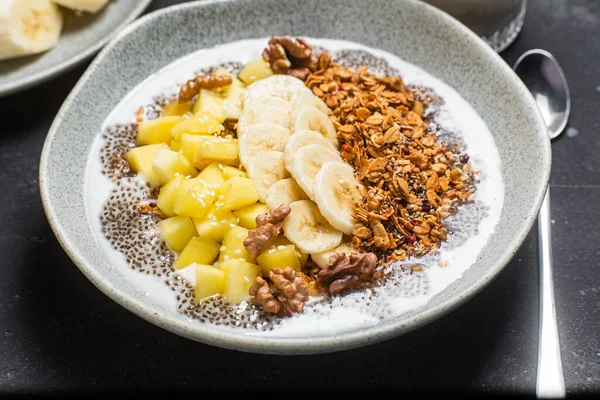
x=277, y=345
x=68, y=64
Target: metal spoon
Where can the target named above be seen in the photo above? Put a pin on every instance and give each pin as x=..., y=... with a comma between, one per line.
x=546, y=81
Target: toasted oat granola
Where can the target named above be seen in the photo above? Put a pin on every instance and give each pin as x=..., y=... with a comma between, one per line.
x=412, y=181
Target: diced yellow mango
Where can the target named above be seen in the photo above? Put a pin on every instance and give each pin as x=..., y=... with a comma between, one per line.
x=177, y=232
x=281, y=240
x=202, y=123
x=247, y=215
x=193, y=198
x=233, y=99
x=209, y=282
x=221, y=150
x=168, y=163
x=231, y=172
x=212, y=174
x=177, y=108
x=175, y=145
x=215, y=224
x=156, y=131
x=278, y=257
x=198, y=250
x=239, y=193
x=255, y=70
x=233, y=245
x=166, y=196
x=140, y=159
x=212, y=102
x=239, y=276
x=189, y=142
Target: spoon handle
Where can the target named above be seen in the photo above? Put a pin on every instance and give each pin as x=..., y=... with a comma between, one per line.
x=550, y=379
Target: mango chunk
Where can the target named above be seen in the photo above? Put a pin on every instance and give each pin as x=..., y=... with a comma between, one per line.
x=218, y=149
x=193, y=198
x=278, y=257
x=239, y=276
x=177, y=232
x=212, y=174
x=233, y=245
x=255, y=70
x=156, y=131
x=140, y=159
x=209, y=282
x=202, y=123
x=231, y=172
x=168, y=163
x=198, y=250
x=247, y=215
x=166, y=196
x=177, y=108
x=239, y=193
x=214, y=224
x=212, y=102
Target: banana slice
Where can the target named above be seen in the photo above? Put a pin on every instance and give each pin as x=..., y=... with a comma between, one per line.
x=285, y=191
x=284, y=87
x=267, y=109
x=262, y=137
x=306, y=228
x=335, y=192
x=322, y=259
x=313, y=119
x=266, y=168
x=307, y=165
x=28, y=27
x=299, y=139
x=90, y=6
x=308, y=99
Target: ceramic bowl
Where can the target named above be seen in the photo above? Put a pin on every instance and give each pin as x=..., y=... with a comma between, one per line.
x=412, y=30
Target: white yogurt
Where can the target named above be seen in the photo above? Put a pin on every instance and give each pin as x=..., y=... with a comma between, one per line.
x=346, y=314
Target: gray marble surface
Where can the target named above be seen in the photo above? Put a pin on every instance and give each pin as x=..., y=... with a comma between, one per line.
x=60, y=335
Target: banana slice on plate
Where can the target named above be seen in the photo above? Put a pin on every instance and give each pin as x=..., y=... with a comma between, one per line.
x=284, y=87
x=312, y=119
x=306, y=228
x=262, y=137
x=299, y=139
x=28, y=27
x=267, y=109
x=307, y=165
x=308, y=99
x=90, y=6
x=285, y=191
x=322, y=259
x=335, y=191
x=266, y=168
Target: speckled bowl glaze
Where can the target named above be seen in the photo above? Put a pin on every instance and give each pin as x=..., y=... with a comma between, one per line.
x=412, y=30
x=83, y=34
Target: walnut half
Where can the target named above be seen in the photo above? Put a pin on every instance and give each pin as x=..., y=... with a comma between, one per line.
x=268, y=226
x=348, y=273
x=290, y=56
x=286, y=295
x=193, y=86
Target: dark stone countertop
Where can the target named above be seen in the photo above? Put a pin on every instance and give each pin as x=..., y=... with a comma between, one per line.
x=60, y=335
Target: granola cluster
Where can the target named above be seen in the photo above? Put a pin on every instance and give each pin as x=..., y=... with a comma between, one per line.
x=412, y=181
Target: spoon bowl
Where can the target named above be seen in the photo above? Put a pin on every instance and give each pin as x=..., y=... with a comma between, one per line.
x=543, y=76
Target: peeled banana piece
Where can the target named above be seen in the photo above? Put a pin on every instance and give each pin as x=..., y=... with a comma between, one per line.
x=28, y=27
